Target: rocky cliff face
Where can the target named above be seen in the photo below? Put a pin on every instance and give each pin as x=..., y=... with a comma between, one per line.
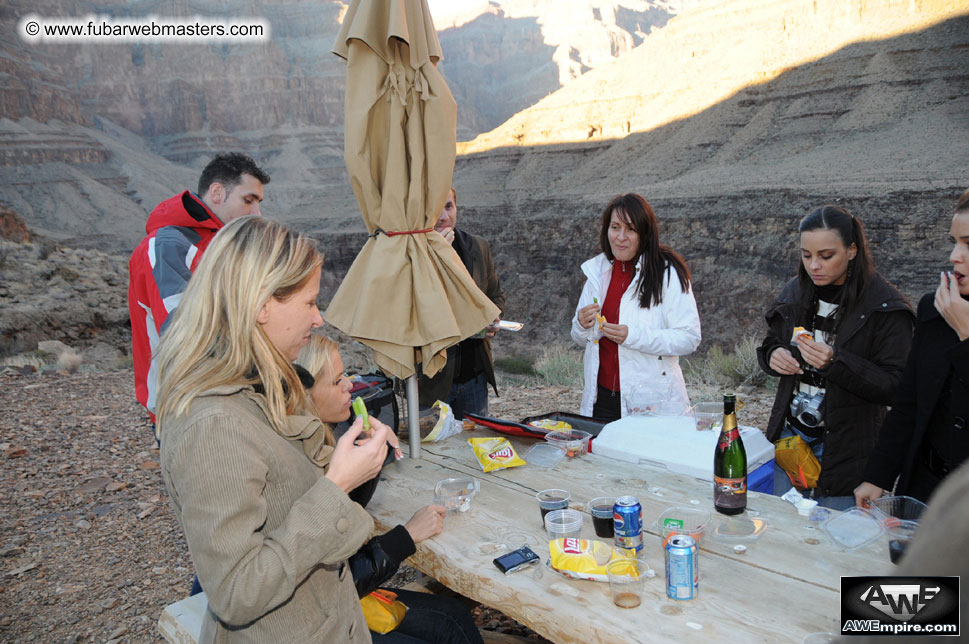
x=515, y=53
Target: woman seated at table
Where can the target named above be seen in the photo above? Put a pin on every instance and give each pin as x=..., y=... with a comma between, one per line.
x=925, y=435
x=269, y=531
x=429, y=618
x=635, y=317
x=839, y=373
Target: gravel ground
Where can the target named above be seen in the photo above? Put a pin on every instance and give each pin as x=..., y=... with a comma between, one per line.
x=89, y=548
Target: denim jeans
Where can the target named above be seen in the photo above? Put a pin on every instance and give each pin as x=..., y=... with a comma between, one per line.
x=469, y=397
x=782, y=483
x=431, y=619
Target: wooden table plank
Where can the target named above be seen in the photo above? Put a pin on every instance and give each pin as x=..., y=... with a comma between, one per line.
x=741, y=596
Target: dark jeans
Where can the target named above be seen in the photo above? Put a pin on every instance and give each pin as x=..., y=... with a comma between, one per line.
x=469, y=397
x=608, y=405
x=431, y=619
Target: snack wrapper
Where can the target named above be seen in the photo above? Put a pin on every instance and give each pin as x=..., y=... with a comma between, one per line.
x=582, y=558
x=550, y=425
x=801, y=331
x=445, y=426
x=495, y=453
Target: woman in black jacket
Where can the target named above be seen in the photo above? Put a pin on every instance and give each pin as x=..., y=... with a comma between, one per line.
x=837, y=376
x=429, y=618
x=925, y=435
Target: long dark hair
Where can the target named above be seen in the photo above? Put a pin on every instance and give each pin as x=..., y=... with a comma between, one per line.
x=860, y=269
x=652, y=255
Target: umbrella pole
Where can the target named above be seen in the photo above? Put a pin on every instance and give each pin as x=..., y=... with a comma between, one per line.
x=413, y=417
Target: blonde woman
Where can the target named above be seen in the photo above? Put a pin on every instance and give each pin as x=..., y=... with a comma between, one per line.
x=430, y=619
x=269, y=530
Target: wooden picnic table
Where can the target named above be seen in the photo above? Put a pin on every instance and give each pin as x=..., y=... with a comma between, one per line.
x=786, y=584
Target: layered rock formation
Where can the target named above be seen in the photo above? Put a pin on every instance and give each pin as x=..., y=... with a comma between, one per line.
x=504, y=57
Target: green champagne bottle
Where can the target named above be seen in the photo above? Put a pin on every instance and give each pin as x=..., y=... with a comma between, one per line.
x=730, y=463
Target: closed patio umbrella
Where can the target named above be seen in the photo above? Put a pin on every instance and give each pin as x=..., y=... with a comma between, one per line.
x=407, y=295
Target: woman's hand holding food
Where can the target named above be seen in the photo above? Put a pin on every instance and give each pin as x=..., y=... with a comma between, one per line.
x=949, y=303
x=426, y=522
x=817, y=354
x=353, y=464
x=392, y=437
x=615, y=332
x=782, y=361
x=587, y=315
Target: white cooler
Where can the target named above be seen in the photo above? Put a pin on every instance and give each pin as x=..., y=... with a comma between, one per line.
x=673, y=443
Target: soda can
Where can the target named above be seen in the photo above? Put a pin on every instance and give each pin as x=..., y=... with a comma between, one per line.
x=682, y=567
x=627, y=518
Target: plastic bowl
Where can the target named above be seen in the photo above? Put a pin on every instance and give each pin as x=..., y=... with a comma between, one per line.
x=575, y=442
x=456, y=494
x=561, y=524
x=707, y=415
x=905, y=508
x=692, y=522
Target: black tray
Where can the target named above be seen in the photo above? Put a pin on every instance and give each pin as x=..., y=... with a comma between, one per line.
x=584, y=423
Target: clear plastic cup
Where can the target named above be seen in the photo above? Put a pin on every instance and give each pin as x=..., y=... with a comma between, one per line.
x=552, y=499
x=627, y=580
x=601, y=510
x=563, y=524
x=575, y=442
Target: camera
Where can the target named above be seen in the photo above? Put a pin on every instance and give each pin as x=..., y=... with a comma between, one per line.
x=516, y=560
x=806, y=408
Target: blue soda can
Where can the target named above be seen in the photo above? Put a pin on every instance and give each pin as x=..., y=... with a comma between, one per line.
x=682, y=567
x=627, y=518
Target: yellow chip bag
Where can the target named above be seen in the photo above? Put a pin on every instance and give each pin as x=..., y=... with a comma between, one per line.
x=495, y=453
x=550, y=425
x=582, y=558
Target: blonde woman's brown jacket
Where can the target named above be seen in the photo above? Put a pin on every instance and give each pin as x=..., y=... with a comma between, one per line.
x=269, y=535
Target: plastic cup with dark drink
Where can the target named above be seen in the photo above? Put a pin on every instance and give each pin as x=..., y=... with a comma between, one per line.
x=553, y=499
x=900, y=534
x=601, y=510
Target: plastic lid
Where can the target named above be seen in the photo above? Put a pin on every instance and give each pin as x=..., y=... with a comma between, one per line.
x=853, y=529
x=544, y=455
x=739, y=528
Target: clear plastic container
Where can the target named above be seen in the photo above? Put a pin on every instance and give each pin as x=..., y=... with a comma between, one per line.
x=574, y=442
x=683, y=520
x=905, y=508
x=456, y=494
x=853, y=529
x=562, y=524
x=708, y=415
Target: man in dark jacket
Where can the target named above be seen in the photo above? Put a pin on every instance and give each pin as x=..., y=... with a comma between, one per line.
x=463, y=382
x=179, y=230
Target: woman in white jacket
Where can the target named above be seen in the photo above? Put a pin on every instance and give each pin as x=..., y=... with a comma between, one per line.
x=636, y=314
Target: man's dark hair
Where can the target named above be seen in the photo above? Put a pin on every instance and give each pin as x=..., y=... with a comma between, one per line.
x=228, y=169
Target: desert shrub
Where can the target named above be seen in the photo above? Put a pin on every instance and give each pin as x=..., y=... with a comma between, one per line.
x=125, y=361
x=516, y=364
x=69, y=361
x=560, y=365
x=719, y=369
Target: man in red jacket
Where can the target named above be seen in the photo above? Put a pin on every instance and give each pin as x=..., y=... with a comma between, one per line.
x=179, y=230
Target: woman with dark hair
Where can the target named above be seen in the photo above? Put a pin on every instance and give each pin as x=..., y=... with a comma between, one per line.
x=925, y=435
x=636, y=314
x=839, y=372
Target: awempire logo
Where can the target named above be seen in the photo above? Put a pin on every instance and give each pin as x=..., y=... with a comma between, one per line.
x=900, y=605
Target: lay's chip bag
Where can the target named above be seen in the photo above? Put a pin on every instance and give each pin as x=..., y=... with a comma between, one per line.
x=582, y=558
x=495, y=453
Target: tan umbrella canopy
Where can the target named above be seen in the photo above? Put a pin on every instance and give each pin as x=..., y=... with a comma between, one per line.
x=407, y=289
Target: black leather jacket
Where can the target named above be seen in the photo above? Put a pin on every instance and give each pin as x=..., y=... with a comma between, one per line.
x=378, y=559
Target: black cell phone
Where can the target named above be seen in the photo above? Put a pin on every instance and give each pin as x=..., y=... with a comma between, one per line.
x=516, y=560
